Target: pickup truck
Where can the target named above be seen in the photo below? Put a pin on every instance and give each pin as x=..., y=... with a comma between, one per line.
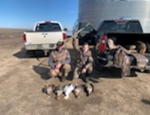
x=44, y=36
x=125, y=32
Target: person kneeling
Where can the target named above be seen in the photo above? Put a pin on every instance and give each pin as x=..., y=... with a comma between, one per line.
x=59, y=62
x=84, y=65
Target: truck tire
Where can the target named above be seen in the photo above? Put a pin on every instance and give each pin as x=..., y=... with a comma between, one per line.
x=96, y=64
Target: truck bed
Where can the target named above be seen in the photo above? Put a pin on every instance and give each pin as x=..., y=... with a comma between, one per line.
x=126, y=39
x=130, y=38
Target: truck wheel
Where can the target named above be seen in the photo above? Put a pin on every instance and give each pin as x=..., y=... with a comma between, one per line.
x=96, y=64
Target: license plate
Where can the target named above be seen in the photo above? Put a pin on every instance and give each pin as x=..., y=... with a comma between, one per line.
x=45, y=46
x=39, y=46
x=51, y=45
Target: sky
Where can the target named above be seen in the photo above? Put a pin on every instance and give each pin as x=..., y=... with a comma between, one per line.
x=25, y=13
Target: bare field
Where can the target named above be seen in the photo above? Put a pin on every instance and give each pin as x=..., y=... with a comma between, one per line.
x=22, y=78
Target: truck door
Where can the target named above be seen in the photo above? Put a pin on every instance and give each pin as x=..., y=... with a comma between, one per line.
x=87, y=35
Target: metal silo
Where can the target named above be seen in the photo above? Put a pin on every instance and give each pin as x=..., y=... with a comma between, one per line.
x=95, y=11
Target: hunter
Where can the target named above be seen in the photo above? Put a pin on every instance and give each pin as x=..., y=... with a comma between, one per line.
x=84, y=62
x=59, y=62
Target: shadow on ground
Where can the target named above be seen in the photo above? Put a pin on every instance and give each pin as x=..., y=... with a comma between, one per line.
x=107, y=73
x=145, y=101
x=23, y=54
x=42, y=71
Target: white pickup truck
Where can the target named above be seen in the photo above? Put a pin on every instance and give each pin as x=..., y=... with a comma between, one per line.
x=44, y=36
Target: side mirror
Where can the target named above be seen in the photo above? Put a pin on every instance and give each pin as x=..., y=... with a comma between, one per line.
x=65, y=29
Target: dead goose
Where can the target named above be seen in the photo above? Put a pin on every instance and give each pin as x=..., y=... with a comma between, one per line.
x=77, y=90
x=89, y=88
x=67, y=90
x=58, y=91
x=48, y=89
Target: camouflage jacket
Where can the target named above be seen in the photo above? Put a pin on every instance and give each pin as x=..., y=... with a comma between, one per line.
x=56, y=56
x=83, y=59
x=141, y=60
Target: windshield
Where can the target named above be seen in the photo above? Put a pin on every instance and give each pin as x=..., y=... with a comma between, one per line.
x=48, y=27
x=120, y=26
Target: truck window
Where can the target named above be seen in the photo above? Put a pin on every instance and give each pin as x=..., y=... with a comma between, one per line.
x=48, y=27
x=120, y=26
x=108, y=26
x=133, y=26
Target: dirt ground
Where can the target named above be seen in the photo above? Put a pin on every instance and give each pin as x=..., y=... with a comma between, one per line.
x=22, y=78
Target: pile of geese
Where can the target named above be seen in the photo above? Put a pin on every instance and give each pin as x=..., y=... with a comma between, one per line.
x=63, y=92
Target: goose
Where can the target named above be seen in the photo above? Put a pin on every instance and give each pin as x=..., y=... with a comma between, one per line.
x=58, y=91
x=77, y=90
x=48, y=89
x=67, y=90
x=89, y=88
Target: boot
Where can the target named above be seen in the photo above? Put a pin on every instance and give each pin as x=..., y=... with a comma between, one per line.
x=87, y=77
x=63, y=79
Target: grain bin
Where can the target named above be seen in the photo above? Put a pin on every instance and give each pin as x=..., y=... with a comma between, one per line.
x=95, y=11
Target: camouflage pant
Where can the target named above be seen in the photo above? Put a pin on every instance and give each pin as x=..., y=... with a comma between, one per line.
x=78, y=70
x=64, y=71
x=122, y=60
x=126, y=71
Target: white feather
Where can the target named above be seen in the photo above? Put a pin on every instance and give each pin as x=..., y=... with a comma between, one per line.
x=68, y=89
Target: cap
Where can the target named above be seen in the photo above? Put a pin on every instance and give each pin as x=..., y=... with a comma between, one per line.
x=60, y=43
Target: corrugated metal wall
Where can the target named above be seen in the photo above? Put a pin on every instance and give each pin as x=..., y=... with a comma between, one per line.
x=95, y=11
